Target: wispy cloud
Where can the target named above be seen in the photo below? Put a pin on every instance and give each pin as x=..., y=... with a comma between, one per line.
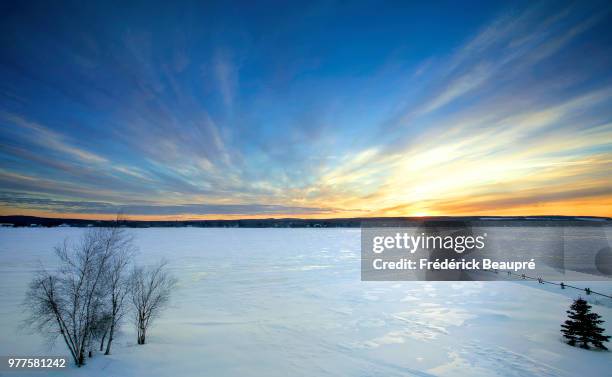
x=66, y=206
x=225, y=115
x=226, y=76
x=46, y=138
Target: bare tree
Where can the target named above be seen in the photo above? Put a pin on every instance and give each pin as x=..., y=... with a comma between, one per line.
x=72, y=301
x=150, y=293
x=49, y=311
x=117, y=282
x=101, y=326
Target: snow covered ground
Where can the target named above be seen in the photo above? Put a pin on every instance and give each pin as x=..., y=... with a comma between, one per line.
x=289, y=302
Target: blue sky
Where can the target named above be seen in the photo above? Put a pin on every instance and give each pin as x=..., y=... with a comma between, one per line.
x=313, y=109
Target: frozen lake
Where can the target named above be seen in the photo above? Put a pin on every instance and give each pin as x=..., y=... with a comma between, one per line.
x=289, y=302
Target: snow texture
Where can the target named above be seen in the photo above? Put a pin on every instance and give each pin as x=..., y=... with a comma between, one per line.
x=289, y=302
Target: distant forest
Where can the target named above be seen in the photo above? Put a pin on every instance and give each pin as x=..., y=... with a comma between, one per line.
x=30, y=221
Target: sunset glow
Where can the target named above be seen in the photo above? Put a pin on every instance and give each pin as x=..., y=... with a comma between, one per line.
x=313, y=111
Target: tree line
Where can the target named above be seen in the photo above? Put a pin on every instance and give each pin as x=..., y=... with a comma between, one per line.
x=85, y=300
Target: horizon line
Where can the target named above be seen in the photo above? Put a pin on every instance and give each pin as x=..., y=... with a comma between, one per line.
x=128, y=219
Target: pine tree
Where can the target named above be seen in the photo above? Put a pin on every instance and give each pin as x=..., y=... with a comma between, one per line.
x=582, y=327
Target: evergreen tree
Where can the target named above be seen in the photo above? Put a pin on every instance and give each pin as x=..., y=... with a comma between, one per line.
x=582, y=327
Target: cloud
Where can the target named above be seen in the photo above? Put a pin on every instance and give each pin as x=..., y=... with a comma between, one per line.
x=458, y=87
x=509, y=48
x=226, y=75
x=518, y=114
x=49, y=139
x=523, y=153
x=89, y=207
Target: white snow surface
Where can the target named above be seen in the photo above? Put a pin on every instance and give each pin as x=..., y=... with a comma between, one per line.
x=290, y=302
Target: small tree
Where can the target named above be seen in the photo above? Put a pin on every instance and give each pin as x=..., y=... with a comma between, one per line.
x=83, y=299
x=150, y=293
x=117, y=282
x=582, y=327
x=68, y=301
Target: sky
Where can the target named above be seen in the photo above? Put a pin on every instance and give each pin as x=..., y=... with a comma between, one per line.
x=209, y=110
